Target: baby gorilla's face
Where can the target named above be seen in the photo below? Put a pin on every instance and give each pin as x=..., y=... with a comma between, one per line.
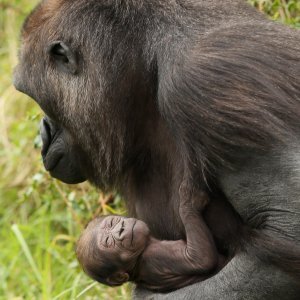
x=109, y=248
x=123, y=237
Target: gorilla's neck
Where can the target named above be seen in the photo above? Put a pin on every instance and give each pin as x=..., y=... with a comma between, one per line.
x=153, y=183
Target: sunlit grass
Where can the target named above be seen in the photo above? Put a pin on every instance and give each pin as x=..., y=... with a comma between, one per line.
x=286, y=11
x=40, y=218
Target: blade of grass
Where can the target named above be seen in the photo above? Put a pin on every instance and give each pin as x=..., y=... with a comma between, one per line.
x=75, y=285
x=26, y=251
x=63, y=293
x=89, y=287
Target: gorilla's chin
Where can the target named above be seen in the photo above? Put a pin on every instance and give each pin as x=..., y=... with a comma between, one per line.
x=59, y=156
x=66, y=172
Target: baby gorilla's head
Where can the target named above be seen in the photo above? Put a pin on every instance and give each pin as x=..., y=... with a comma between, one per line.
x=110, y=246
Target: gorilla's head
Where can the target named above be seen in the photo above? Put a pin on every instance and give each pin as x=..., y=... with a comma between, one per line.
x=81, y=68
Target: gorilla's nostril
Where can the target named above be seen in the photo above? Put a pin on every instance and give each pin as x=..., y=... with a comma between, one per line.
x=45, y=132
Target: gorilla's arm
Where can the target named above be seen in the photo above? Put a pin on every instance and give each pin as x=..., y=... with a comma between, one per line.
x=263, y=188
x=267, y=206
x=245, y=277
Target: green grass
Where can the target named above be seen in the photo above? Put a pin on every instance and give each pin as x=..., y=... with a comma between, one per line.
x=286, y=11
x=40, y=218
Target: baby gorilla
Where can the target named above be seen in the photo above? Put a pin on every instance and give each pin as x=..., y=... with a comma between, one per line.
x=115, y=249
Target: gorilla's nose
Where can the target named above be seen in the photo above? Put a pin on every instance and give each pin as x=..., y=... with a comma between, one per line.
x=45, y=131
x=119, y=230
x=48, y=131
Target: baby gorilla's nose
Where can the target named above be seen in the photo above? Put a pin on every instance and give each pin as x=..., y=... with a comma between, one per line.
x=119, y=230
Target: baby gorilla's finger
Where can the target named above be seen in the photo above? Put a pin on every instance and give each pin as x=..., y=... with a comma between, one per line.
x=200, y=200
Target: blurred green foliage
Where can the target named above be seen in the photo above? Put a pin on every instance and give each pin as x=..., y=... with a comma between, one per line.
x=286, y=11
x=40, y=218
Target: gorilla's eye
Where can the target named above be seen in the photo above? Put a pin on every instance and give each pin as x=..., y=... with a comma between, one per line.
x=63, y=57
x=59, y=54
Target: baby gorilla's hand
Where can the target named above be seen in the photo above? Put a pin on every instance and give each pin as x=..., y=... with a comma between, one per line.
x=191, y=200
x=185, y=194
x=200, y=200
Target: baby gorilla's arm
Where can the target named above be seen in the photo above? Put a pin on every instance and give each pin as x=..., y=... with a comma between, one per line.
x=201, y=255
x=170, y=265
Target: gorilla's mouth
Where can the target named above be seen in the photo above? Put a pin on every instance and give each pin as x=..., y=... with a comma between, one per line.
x=59, y=155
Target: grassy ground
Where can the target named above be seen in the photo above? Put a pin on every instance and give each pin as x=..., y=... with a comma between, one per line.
x=40, y=218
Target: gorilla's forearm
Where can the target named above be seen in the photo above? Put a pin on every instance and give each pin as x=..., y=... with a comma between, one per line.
x=243, y=278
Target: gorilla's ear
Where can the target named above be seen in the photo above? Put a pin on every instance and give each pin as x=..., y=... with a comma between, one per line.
x=118, y=278
x=63, y=56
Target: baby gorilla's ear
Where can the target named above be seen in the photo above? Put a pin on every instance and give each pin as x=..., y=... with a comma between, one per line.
x=118, y=278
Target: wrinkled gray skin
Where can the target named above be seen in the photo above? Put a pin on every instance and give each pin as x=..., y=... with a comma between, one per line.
x=136, y=88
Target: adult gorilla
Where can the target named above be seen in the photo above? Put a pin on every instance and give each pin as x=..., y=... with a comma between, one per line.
x=138, y=91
